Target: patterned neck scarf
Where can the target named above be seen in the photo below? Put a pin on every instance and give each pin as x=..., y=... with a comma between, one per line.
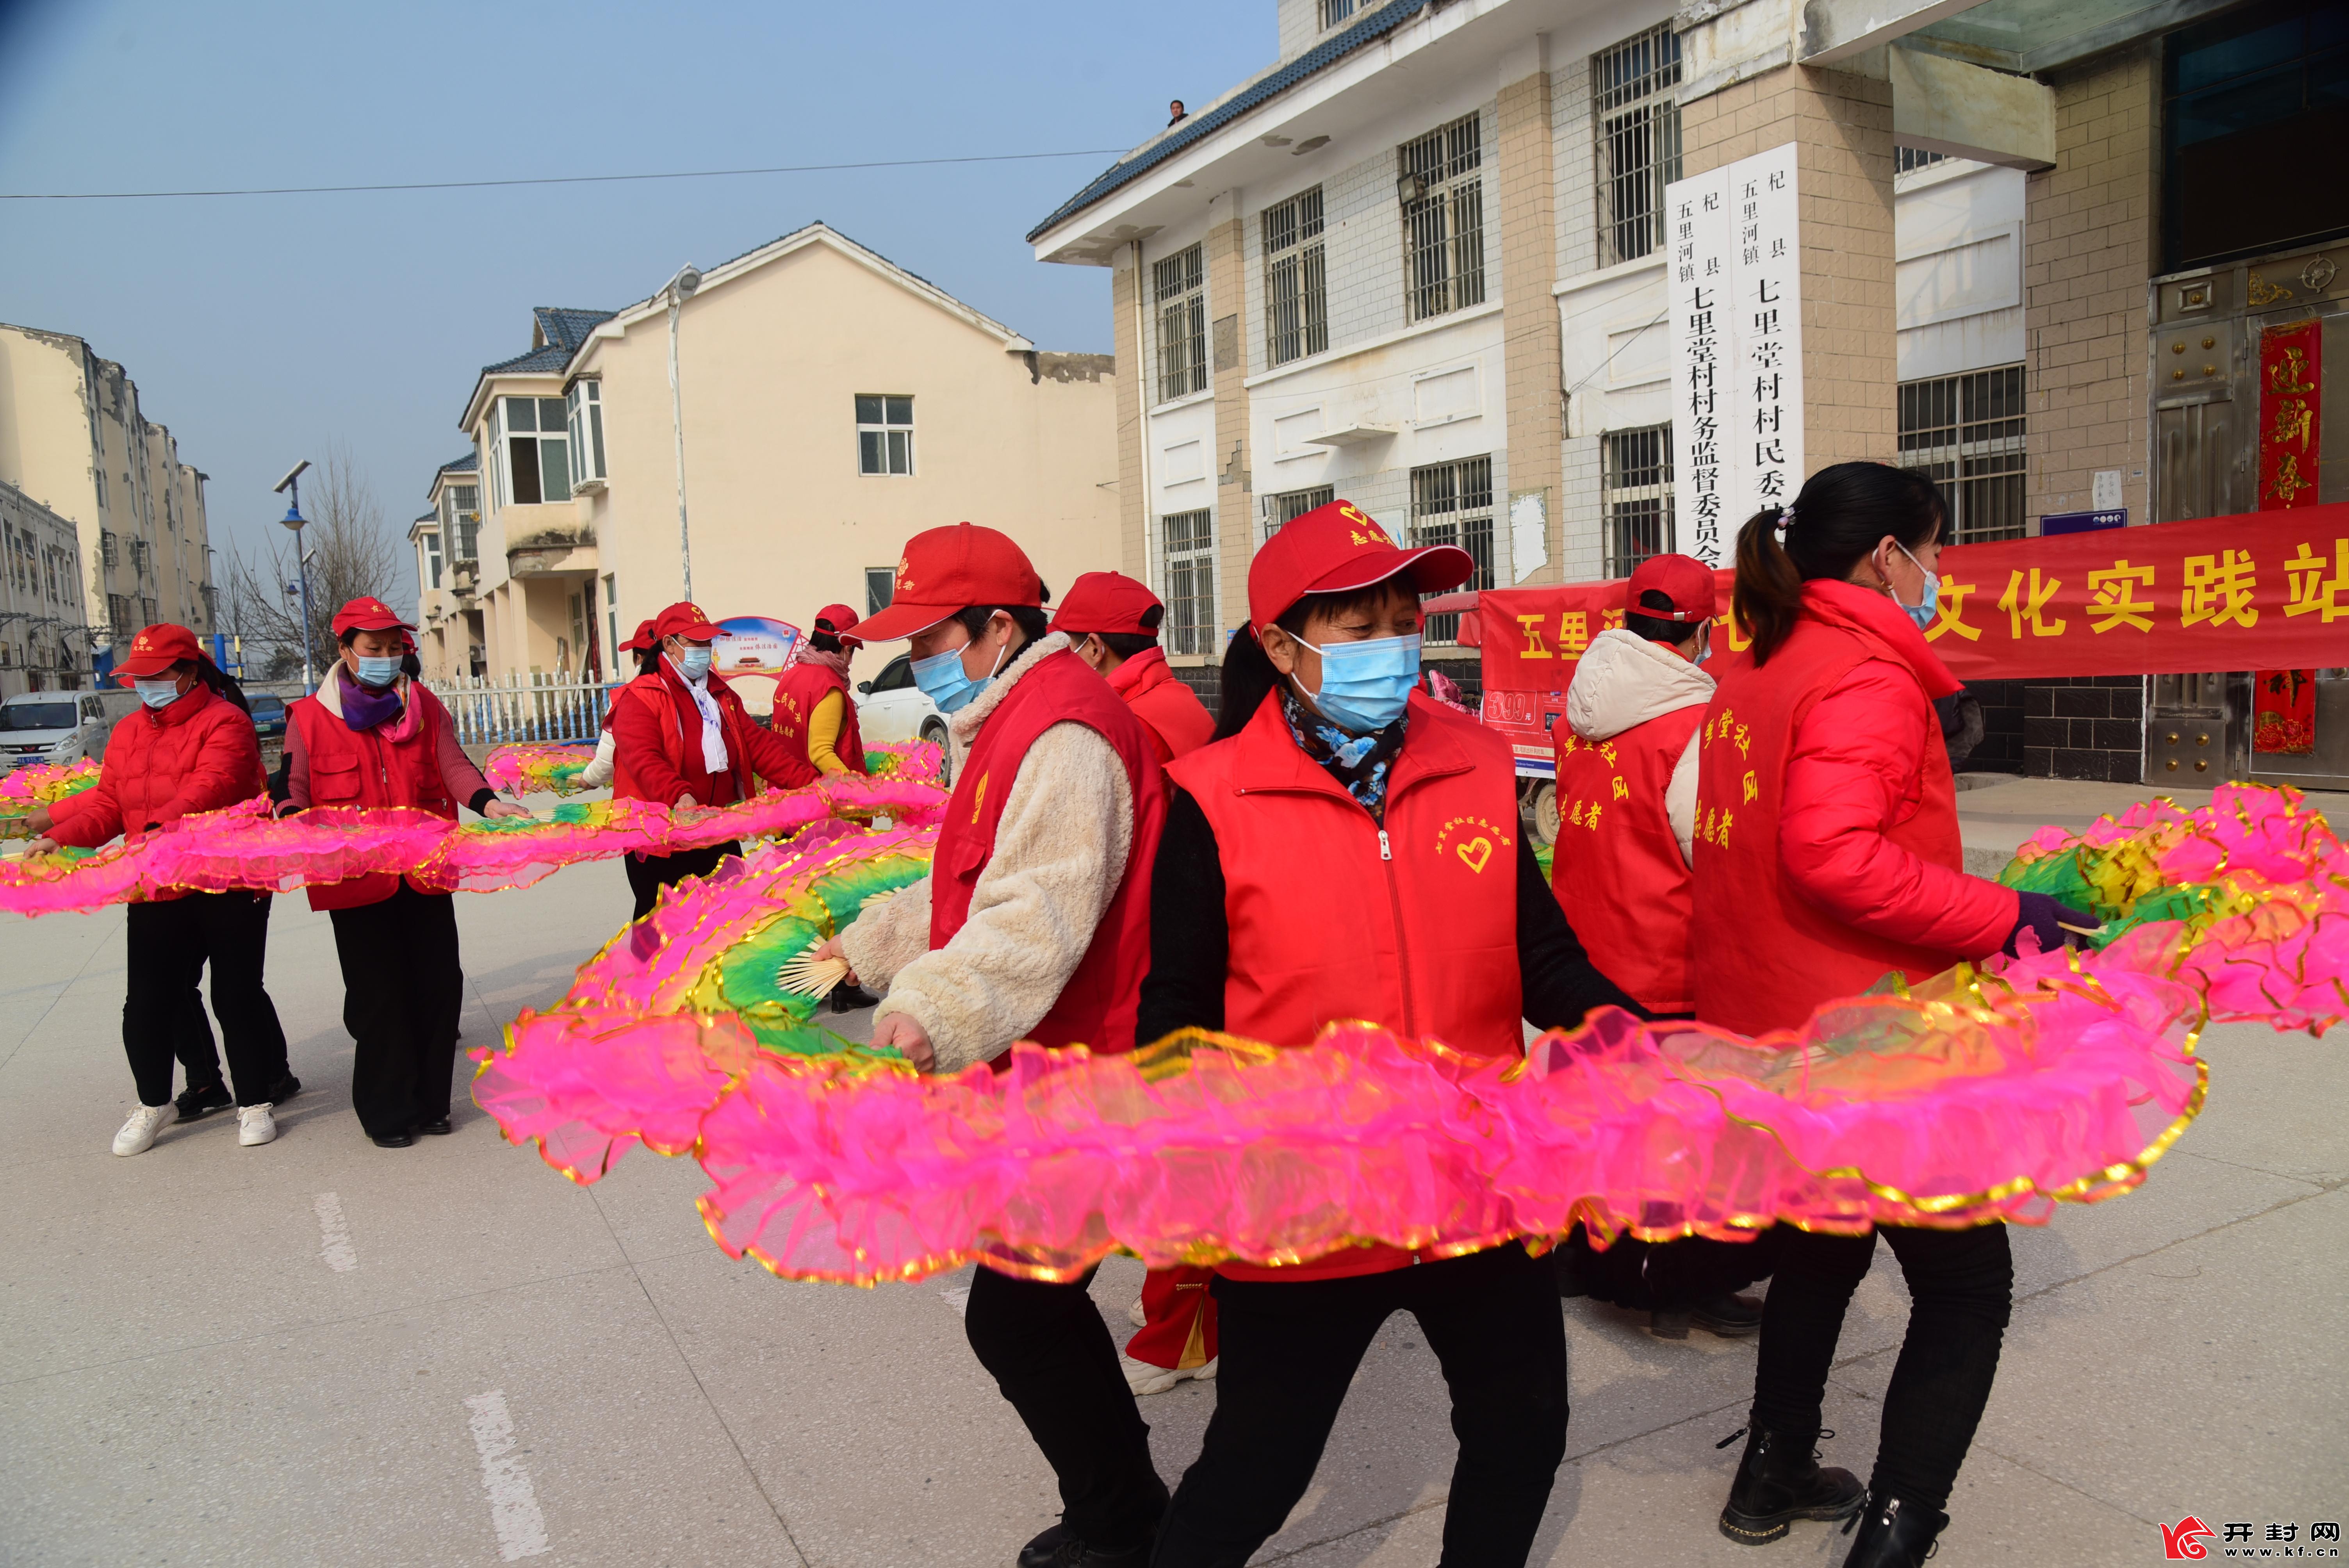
x=1359, y=762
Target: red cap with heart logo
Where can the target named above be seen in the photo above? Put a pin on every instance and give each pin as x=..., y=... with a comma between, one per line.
x=944, y=570
x=157, y=649
x=1336, y=549
x=364, y=615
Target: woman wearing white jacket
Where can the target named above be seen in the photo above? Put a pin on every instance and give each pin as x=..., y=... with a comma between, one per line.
x=598, y=772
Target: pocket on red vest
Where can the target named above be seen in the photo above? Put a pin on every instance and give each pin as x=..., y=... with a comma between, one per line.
x=333, y=780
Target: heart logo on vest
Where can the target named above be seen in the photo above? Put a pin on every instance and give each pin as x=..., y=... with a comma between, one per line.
x=1474, y=854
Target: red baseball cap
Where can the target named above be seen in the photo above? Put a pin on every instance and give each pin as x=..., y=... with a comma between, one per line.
x=1338, y=548
x=368, y=615
x=949, y=569
x=157, y=649
x=641, y=638
x=684, y=620
x=1108, y=601
x=1684, y=580
x=841, y=621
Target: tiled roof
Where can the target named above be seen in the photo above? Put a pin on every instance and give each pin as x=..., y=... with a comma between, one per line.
x=464, y=465
x=564, y=328
x=1375, y=25
x=544, y=361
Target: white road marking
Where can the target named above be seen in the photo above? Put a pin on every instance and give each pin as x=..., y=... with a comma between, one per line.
x=335, y=1234
x=513, y=1506
x=959, y=1297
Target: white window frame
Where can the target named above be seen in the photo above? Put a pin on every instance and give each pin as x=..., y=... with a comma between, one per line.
x=1636, y=136
x=429, y=542
x=542, y=410
x=1178, y=289
x=1338, y=12
x=1635, y=492
x=1452, y=503
x=1440, y=188
x=583, y=409
x=1967, y=433
x=1296, y=279
x=1188, y=579
x=886, y=442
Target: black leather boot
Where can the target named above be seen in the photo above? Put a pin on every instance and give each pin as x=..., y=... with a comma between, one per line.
x=1780, y=1480
x=1894, y=1534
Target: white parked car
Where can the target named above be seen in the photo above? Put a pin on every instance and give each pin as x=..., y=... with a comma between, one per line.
x=59, y=726
x=890, y=706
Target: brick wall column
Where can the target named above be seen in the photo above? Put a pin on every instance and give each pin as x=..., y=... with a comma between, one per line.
x=1842, y=125
x=1530, y=345
x=2087, y=250
x=1227, y=362
x=1133, y=382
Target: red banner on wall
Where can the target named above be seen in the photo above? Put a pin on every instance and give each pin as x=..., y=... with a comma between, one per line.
x=2292, y=375
x=2266, y=591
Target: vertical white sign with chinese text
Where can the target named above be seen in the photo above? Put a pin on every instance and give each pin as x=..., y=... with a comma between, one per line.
x=1735, y=280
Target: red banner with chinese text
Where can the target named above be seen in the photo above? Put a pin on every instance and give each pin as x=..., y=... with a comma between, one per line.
x=2291, y=377
x=2266, y=591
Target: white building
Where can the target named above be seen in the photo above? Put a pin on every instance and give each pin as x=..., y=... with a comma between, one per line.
x=44, y=641
x=1420, y=263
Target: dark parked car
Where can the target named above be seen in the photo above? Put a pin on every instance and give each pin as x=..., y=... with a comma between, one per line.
x=268, y=715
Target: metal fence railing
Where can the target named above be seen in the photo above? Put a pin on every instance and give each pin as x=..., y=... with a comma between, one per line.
x=489, y=711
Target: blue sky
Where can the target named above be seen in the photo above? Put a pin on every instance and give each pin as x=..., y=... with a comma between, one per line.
x=258, y=328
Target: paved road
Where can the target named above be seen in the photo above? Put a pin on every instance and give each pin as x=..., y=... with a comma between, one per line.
x=321, y=1352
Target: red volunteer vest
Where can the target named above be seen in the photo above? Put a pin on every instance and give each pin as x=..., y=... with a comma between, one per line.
x=1097, y=1005
x=651, y=688
x=1764, y=955
x=1617, y=871
x=1332, y=920
x=796, y=696
x=364, y=768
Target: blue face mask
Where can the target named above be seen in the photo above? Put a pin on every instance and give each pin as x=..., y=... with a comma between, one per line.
x=378, y=673
x=161, y=693
x=945, y=682
x=694, y=664
x=1923, y=613
x=1365, y=686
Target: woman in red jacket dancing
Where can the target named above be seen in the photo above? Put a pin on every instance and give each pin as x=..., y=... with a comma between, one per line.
x=1828, y=855
x=1347, y=848
x=191, y=748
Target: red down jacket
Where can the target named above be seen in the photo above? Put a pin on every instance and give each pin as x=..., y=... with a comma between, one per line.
x=199, y=754
x=1828, y=849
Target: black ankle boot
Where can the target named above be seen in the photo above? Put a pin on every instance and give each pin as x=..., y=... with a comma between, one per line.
x=1894, y=1534
x=1779, y=1481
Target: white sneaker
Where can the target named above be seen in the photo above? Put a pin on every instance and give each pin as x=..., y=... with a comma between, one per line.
x=1145, y=1378
x=138, y=1134
x=1135, y=1315
x=254, y=1125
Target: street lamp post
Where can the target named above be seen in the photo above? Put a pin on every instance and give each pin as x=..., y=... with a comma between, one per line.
x=680, y=289
x=296, y=521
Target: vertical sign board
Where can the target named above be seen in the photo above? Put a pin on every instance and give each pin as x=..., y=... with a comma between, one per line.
x=1736, y=291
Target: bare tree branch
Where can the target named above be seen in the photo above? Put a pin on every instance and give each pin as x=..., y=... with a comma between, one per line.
x=353, y=554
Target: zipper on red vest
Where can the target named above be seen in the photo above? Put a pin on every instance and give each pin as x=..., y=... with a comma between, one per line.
x=1403, y=951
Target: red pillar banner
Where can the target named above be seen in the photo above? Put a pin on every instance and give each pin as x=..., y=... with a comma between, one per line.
x=2269, y=591
x=2292, y=376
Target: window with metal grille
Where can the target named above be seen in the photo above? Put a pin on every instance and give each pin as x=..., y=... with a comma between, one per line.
x=460, y=518
x=1905, y=159
x=1190, y=579
x=1639, y=140
x=1452, y=503
x=1635, y=495
x=1336, y=11
x=1180, y=288
x=1281, y=510
x=1296, y=293
x=1442, y=198
x=1965, y=434
x=117, y=618
x=106, y=546
x=885, y=434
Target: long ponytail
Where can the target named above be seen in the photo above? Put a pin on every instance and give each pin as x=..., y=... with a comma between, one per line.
x=218, y=679
x=1840, y=515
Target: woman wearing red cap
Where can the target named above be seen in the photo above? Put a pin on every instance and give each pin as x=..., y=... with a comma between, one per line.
x=371, y=737
x=190, y=748
x=815, y=715
x=1032, y=925
x=1348, y=849
x=682, y=737
x=1112, y=624
x=598, y=771
x=1828, y=855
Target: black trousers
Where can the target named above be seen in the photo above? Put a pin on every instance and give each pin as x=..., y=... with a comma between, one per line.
x=193, y=1044
x=648, y=876
x=170, y=943
x=403, y=988
x=1961, y=1289
x=1052, y=1356
x=1290, y=1350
